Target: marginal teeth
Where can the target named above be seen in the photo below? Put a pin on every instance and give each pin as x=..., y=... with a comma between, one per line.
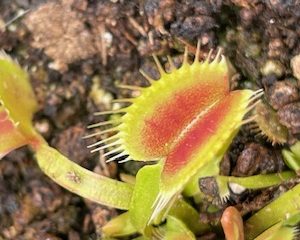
x=103, y=123
x=129, y=87
x=296, y=231
x=197, y=51
x=252, y=106
x=209, y=55
x=145, y=75
x=125, y=160
x=119, y=142
x=217, y=57
x=122, y=100
x=104, y=141
x=185, y=55
x=224, y=199
x=248, y=120
x=123, y=110
x=116, y=150
x=171, y=63
x=114, y=129
x=121, y=154
x=158, y=65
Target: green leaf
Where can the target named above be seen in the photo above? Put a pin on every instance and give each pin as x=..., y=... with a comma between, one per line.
x=292, y=157
x=81, y=181
x=278, y=232
x=177, y=230
x=144, y=195
x=17, y=105
x=296, y=149
x=119, y=226
x=280, y=209
x=187, y=214
x=142, y=238
x=293, y=220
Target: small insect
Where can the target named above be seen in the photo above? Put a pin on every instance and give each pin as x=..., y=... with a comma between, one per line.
x=73, y=176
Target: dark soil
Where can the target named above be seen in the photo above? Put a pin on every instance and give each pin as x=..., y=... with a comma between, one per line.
x=76, y=50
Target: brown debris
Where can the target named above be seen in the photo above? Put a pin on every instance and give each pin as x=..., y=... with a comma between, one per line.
x=209, y=187
x=295, y=65
x=55, y=224
x=194, y=20
x=257, y=202
x=282, y=93
x=244, y=3
x=61, y=32
x=75, y=148
x=256, y=159
x=100, y=215
x=289, y=115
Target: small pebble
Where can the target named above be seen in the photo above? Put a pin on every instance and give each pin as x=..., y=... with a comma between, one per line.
x=289, y=116
x=282, y=93
x=43, y=127
x=272, y=67
x=295, y=65
x=256, y=159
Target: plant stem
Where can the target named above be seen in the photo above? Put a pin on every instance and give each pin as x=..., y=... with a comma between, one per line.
x=81, y=181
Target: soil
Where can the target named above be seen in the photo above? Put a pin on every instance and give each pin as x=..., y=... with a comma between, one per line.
x=76, y=50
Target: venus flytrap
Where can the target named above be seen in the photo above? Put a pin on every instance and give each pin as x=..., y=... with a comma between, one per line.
x=17, y=106
x=185, y=121
x=65, y=172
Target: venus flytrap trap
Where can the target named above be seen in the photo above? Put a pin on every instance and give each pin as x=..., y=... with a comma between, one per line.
x=240, y=184
x=17, y=106
x=185, y=121
x=267, y=124
x=237, y=185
